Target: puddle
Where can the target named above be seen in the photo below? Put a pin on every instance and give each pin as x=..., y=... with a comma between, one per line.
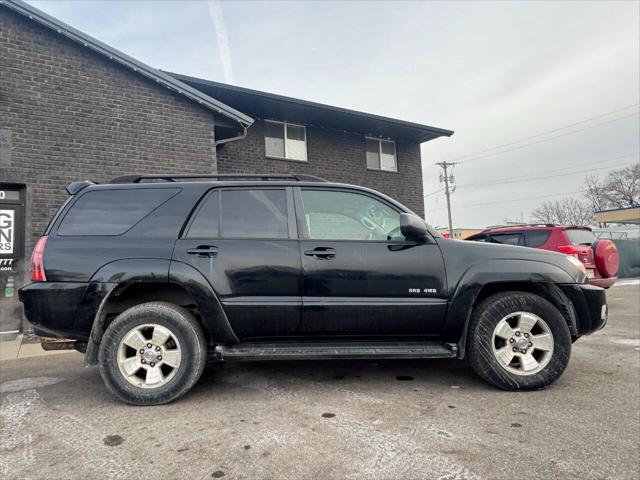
x=112, y=440
x=28, y=383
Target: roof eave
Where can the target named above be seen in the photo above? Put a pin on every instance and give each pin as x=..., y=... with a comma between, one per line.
x=141, y=68
x=427, y=132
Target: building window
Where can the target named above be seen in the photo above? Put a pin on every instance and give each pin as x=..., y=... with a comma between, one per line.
x=285, y=140
x=381, y=155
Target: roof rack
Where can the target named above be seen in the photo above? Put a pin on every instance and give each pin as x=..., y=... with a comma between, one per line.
x=217, y=176
x=517, y=225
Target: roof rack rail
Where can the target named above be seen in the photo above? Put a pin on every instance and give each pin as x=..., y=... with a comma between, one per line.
x=216, y=176
x=516, y=225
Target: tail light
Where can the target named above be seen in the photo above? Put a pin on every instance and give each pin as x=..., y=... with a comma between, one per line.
x=37, y=261
x=569, y=250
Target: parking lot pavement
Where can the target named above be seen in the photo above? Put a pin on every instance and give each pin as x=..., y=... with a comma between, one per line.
x=341, y=419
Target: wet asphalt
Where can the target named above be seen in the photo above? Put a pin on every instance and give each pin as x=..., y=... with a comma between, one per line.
x=335, y=419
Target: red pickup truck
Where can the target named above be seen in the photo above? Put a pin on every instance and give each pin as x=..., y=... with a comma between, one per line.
x=600, y=257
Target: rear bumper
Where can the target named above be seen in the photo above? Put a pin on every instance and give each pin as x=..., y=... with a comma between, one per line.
x=590, y=306
x=62, y=309
x=603, y=282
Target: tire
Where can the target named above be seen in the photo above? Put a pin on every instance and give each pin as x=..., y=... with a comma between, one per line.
x=490, y=342
x=140, y=375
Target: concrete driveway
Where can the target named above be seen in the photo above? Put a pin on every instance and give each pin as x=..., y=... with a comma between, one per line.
x=347, y=419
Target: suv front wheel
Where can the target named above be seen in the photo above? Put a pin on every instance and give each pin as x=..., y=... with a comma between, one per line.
x=152, y=353
x=518, y=341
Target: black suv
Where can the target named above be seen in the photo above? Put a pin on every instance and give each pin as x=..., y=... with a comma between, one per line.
x=152, y=275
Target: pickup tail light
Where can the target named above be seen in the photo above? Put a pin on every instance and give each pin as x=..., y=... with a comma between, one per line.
x=37, y=261
x=568, y=250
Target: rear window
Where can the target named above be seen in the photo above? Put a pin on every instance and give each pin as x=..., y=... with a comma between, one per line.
x=536, y=238
x=580, y=237
x=507, y=238
x=112, y=212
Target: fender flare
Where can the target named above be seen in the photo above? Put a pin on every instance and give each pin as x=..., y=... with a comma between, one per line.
x=206, y=299
x=123, y=273
x=537, y=277
x=117, y=274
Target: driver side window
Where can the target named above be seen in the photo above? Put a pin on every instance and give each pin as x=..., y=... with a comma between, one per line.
x=335, y=215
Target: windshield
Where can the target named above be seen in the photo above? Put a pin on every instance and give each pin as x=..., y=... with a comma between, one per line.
x=579, y=236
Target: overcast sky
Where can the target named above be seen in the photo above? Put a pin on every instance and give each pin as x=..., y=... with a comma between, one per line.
x=495, y=72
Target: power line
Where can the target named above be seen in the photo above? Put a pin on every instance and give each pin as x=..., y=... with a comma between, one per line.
x=433, y=193
x=531, y=179
x=569, y=167
x=429, y=214
x=513, y=200
x=546, y=132
x=550, y=138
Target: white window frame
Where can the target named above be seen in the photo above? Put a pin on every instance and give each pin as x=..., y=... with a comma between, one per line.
x=395, y=154
x=285, y=125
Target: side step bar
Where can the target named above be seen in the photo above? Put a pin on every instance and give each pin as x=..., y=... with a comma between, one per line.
x=334, y=350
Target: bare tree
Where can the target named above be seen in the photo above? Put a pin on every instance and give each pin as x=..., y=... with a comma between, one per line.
x=594, y=192
x=569, y=211
x=619, y=189
x=622, y=187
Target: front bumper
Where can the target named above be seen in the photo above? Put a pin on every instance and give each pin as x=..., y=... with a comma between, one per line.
x=590, y=306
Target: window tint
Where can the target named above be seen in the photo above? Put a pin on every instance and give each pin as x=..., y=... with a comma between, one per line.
x=536, y=238
x=348, y=216
x=480, y=238
x=258, y=213
x=580, y=237
x=507, y=238
x=205, y=223
x=112, y=212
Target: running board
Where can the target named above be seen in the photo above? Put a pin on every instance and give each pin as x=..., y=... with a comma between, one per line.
x=334, y=350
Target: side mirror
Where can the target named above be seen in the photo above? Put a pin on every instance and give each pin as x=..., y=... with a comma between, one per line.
x=413, y=227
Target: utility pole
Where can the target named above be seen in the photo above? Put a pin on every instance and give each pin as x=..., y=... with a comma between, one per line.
x=448, y=180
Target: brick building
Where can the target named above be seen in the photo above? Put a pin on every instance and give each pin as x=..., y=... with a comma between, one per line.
x=74, y=108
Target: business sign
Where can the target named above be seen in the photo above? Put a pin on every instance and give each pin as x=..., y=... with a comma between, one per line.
x=7, y=231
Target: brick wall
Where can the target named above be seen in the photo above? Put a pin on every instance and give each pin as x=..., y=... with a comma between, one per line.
x=76, y=115
x=334, y=155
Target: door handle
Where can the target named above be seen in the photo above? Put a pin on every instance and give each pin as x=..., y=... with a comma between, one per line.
x=321, y=252
x=203, y=250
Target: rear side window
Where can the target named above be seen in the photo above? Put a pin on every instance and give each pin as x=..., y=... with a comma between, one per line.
x=112, y=212
x=480, y=238
x=580, y=236
x=254, y=213
x=507, y=238
x=536, y=238
x=206, y=220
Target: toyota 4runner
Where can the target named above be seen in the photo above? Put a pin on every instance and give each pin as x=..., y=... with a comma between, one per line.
x=150, y=276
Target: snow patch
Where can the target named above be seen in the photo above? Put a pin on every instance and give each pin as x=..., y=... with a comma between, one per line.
x=28, y=383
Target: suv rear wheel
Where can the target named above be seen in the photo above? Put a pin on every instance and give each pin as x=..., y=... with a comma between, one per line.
x=518, y=341
x=152, y=353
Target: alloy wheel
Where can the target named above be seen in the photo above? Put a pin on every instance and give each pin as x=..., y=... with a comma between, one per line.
x=522, y=343
x=149, y=355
